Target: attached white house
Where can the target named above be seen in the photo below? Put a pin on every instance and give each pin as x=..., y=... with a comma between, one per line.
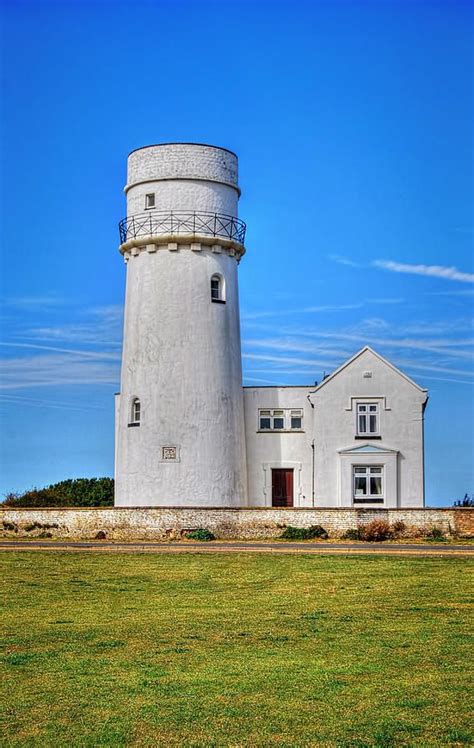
x=355, y=440
x=187, y=433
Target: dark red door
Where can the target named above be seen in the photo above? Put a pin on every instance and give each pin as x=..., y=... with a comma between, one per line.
x=282, y=487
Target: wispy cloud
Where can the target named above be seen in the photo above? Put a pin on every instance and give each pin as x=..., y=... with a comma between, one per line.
x=55, y=370
x=49, y=403
x=303, y=310
x=341, y=260
x=434, y=271
x=33, y=302
x=74, y=352
x=101, y=326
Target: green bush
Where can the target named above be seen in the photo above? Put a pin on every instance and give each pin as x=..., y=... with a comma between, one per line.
x=435, y=533
x=72, y=492
x=353, y=533
x=200, y=534
x=304, y=533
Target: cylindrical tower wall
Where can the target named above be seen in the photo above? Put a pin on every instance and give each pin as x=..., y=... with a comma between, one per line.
x=181, y=351
x=183, y=176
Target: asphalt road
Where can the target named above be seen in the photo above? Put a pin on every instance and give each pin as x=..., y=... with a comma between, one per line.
x=239, y=547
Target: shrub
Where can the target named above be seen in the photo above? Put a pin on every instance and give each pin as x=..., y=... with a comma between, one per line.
x=377, y=530
x=435, y=533
x=353, y=533
x=9, y=526
x=304, y=533
x=200, y=534
x=399, y=528
x=72, y=492
x=39, y=526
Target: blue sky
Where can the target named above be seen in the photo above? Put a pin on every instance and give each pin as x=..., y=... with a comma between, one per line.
x=353, y=126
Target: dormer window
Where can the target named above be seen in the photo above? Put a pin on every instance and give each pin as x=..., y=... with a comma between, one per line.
x=150, y=201
x=217, y=289
x=368, y=419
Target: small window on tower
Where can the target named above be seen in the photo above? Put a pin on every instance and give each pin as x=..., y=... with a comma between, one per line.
x=217, y=289
x=150, y=201
x=136, y=412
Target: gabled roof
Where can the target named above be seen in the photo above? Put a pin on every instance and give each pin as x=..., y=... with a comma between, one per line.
x=366, y=349
x=367, y=448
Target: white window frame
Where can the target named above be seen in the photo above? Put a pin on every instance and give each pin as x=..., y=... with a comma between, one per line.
x=150, y=203
x=220, y=298
x=369, y=471
x=286, y=414
x=135, y=412
x=360, y=413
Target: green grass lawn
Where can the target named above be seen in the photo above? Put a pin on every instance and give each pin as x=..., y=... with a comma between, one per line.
x=234, y=650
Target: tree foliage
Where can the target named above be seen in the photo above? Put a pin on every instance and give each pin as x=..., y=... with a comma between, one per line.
x=72, y=492
x=467, y=501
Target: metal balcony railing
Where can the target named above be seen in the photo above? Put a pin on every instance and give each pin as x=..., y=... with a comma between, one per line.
x=156, y=222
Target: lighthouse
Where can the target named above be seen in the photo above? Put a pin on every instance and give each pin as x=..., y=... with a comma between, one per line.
x=179, y=416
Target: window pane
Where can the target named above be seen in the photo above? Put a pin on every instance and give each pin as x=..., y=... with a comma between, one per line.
x=265, y=423
x=376, y=470
x=296, y=412
x=372, y=424
x=362, y=424
x=295, y=423
x=360, y=470
x=362, y=408
x=360, y=486
x=277, y=412
x=264, y=412
x=278, y=423
x=373, y=408
x=376, y=485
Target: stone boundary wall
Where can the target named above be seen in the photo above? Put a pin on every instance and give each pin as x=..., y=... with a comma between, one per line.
x=171, y=523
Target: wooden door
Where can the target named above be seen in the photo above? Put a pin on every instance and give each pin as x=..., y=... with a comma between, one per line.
x=282, y=487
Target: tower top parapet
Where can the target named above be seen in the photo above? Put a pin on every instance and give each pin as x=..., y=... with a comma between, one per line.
x=175, y=161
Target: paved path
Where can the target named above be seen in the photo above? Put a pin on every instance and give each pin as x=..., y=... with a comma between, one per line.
x=239, y=547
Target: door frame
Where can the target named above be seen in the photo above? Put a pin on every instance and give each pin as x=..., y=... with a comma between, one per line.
x=267, y=481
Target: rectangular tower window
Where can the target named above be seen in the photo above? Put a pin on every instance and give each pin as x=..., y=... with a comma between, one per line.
x=368, y=484
x=150, y=201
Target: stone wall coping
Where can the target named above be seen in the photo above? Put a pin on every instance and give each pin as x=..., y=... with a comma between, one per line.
x=269, y=509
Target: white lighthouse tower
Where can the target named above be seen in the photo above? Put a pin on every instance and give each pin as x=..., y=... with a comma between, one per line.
x=179, y=430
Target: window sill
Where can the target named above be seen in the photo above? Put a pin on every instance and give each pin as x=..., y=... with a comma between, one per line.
x=367, y=500
x=367, y=436
x=280, y=431
x=218, y=301
x=133, y=424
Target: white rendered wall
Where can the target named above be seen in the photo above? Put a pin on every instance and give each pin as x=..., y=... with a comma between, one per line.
x=401, y=430
x=267, y=450
x=181, y=352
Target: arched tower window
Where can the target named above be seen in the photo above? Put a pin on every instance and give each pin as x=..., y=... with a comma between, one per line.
x=217, y=289
x=135, y=414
